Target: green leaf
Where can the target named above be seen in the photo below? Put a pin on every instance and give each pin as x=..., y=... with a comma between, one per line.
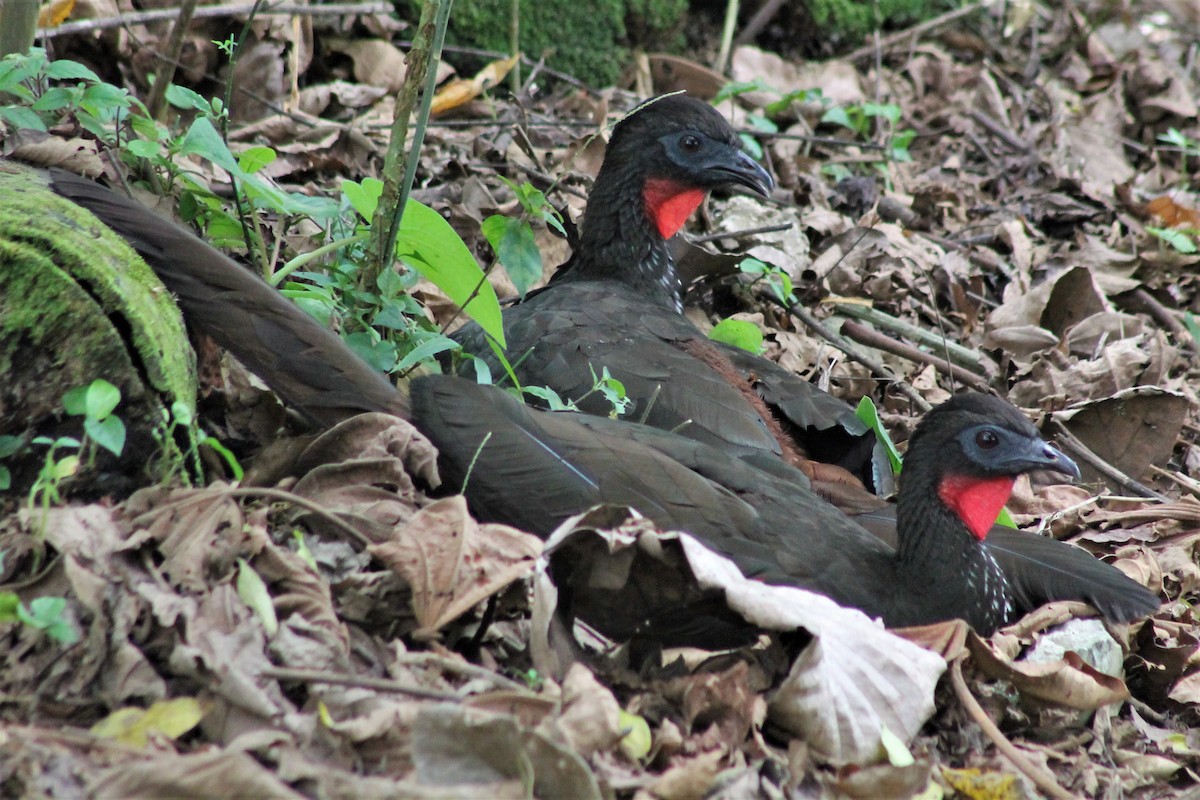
x=430, y=246
x=738, y=333
x=75, y=401
x=10, y=603
x=379, y=354
x=1177, y=239
x=427, y=350
x=134, y=727
x=109, y=433
x=363, y=197
x=303, y=551
x=5, y=478
x=1193, y=327
x=182, y=97
x=512, y=239
x=253, y=591
x=252, y=159
x=636, y=742
x=64, y=70
x=46, y=614
x=9, y=445
x=21, y=117
x=102, y=398
x=869, y=414
x=224, y=452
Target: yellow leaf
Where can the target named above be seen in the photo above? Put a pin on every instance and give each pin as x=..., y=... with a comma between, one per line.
x=979, y=785
x=55, y=13
x=166, y=718
x=636, y=743
x=253, y=591
x=459, y=91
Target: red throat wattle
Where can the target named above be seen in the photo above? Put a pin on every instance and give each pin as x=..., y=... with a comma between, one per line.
x=669, y=203
x=976, y=501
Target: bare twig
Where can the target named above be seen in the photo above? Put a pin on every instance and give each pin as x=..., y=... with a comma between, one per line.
x=1079, y=450
x=231, y=10
x=963, y=357
x=1045, y=782
x=901, y=37
x=170, y=58
x=853, y=353
x=766, y=12
x=880, y=341
x=359, y=681
x=1010, y=139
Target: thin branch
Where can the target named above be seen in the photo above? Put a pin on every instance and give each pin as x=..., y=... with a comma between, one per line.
x=1079, y=450
x=357, y=681
x=853, y=353
x=1048, y=784
x=206, y=12
x=881, y=341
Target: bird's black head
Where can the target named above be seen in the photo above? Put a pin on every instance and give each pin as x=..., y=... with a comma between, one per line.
x=680, y=138
x=983, y=436
x=970, y=449
x=680, y=148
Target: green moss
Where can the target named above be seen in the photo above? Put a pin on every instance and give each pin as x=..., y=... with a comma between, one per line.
x=589, y=40
x=76, y=304
x=852, y=20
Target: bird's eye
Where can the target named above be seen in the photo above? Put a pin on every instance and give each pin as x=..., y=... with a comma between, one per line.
x=986, y=439
x=689, y=143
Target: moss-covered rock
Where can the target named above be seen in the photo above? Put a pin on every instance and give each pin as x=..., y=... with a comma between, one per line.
x=588, y=40
x=77, y=304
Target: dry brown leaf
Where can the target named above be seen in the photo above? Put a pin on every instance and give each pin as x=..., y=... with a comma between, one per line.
x=590, y=717
x=1172, y=214
x=452, y=562
x=470, y=753
x=689, y=779
x=851, y=680
x=670, y=73
x=1131, y=429
x=216, y=773
x=200, y=532
x=1069, y=682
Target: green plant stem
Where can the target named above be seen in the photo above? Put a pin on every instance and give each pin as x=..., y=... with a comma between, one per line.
x=251, y=233
x=514, y=44
x=398, y=171
x=304, y=259
x=731, y=13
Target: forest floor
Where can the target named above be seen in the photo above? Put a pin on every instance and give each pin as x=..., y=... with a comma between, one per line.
x=1038, y=217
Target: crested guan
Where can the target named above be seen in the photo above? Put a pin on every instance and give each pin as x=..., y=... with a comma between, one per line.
x=617, y=304
x=766, y=520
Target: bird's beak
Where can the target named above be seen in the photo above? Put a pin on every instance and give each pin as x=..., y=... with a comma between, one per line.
x=735, y=166
x=1042, y=455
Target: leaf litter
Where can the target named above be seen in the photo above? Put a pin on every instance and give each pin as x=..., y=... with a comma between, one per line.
x=420, y=654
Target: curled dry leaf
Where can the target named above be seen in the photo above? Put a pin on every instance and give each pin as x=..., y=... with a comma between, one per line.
x=1069, y=682
x=452, y=562
x=200, y=532
x=851, y=680
x=1056, y=304
x=590, y=715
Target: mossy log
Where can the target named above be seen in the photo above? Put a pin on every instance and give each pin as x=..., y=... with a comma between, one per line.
x=77, y=304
